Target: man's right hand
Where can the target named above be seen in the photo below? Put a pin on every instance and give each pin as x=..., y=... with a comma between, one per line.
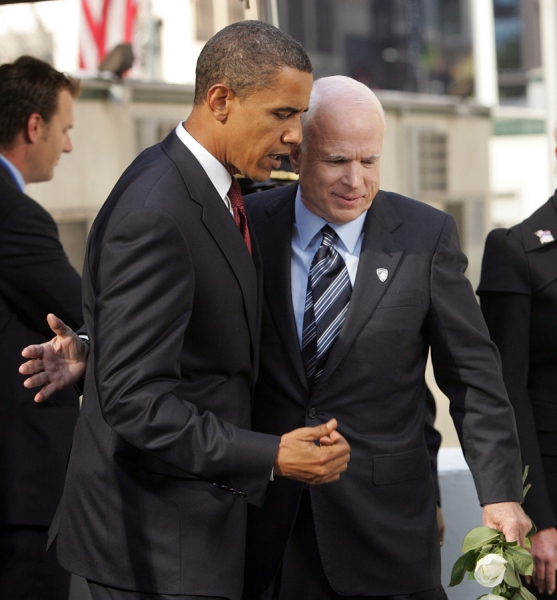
x=300, y=458
x=57, y=364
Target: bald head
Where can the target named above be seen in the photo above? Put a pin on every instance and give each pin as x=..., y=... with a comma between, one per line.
x=338, y=159
x=331, y=95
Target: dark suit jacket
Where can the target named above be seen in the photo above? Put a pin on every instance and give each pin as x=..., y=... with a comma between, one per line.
x=163, y=463
x=518, y=293
x=35, y=279
x=376, y=526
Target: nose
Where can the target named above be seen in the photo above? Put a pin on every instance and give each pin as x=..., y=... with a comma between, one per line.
x=352, y=176
x=68, y=147
x=293, y=135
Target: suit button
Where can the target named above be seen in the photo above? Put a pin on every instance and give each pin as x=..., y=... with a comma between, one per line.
x=312, y=413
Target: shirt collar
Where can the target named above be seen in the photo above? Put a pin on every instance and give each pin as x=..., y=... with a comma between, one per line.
x=216, y=172
x=14, y=172
x=309, y=225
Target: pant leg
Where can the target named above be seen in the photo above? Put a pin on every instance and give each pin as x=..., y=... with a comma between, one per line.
x=27, y=570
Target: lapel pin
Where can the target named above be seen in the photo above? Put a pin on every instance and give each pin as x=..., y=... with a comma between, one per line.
x=382, y=274
x=545, y=236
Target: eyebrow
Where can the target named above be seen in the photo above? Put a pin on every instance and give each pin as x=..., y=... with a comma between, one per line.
x=343, y=157
x=289, y=109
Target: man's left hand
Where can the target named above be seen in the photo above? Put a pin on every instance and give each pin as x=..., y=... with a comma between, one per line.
x=509, y=518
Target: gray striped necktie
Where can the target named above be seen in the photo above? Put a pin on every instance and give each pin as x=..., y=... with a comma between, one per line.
x=327, y=300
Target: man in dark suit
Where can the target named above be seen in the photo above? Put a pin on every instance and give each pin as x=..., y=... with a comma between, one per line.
x=35, y=279
x=518, y=297
x=373, y=533
x=163, y=463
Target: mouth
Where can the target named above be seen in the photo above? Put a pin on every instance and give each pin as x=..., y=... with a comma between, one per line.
x=348, y=199
x=275, y=160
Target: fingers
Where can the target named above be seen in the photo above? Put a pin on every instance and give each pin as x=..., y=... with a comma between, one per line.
x=550, y=579
x=319, y=431
x=539, y=576
x=31, y=366
x=509, y=518
x=58, y=326
x=544, y=553
x=37, y=380
x=45, y=393
x=34, y=351
x=440, y=525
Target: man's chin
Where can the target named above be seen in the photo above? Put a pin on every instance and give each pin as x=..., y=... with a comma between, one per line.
x=259, y=176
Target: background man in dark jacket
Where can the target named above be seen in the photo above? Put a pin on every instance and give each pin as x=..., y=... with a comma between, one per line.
x=36, y=114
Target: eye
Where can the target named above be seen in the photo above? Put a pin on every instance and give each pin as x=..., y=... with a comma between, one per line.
x=282, y=116
x=369, y=163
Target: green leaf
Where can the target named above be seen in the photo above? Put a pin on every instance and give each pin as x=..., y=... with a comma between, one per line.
x=522, y=560
x=510, y=578
x=511, y=564
x=524, y=593
x=516, y=596
x=479, y=537
x=533, y=530
x=459, y=569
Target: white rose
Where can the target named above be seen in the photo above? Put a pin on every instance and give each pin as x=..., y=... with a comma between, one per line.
x=491, y=597
x=490, y=571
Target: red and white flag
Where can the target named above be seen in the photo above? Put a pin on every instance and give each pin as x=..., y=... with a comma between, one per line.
x=104, y=24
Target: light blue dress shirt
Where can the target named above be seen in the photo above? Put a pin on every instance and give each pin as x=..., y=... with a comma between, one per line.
x=14, y=172
x=306, y=239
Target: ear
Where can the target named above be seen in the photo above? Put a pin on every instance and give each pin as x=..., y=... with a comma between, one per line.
x=295, y=157
x=35, y=125
x=219, y=98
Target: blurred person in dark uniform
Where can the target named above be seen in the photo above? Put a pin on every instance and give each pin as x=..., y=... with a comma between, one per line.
x=518, y=295
x=36, y=114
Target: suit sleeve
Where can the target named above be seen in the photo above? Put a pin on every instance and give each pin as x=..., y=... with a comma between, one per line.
x=506, y=305
x=144, y=301
x=467, y=368
x=35, y=275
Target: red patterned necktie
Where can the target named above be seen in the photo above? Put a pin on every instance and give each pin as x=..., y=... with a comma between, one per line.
x=237, y=203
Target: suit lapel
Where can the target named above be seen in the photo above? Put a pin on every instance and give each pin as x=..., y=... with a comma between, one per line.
x=275, y=241
x=541, y=257
x=219, y=223
x=380, y=250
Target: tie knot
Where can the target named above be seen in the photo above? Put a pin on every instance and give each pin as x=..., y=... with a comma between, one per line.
x=235, y=194
x=329, y=236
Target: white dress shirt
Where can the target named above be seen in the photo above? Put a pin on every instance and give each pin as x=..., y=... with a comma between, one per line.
x=216, y=172
x=306, y=239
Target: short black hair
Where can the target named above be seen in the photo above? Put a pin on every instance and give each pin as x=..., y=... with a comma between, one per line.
x=28, y=86
x=246, y=56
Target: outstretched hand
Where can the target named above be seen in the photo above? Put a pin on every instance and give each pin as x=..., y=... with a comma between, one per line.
x=56, y=364
x=510, y=519
x=300, y=458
